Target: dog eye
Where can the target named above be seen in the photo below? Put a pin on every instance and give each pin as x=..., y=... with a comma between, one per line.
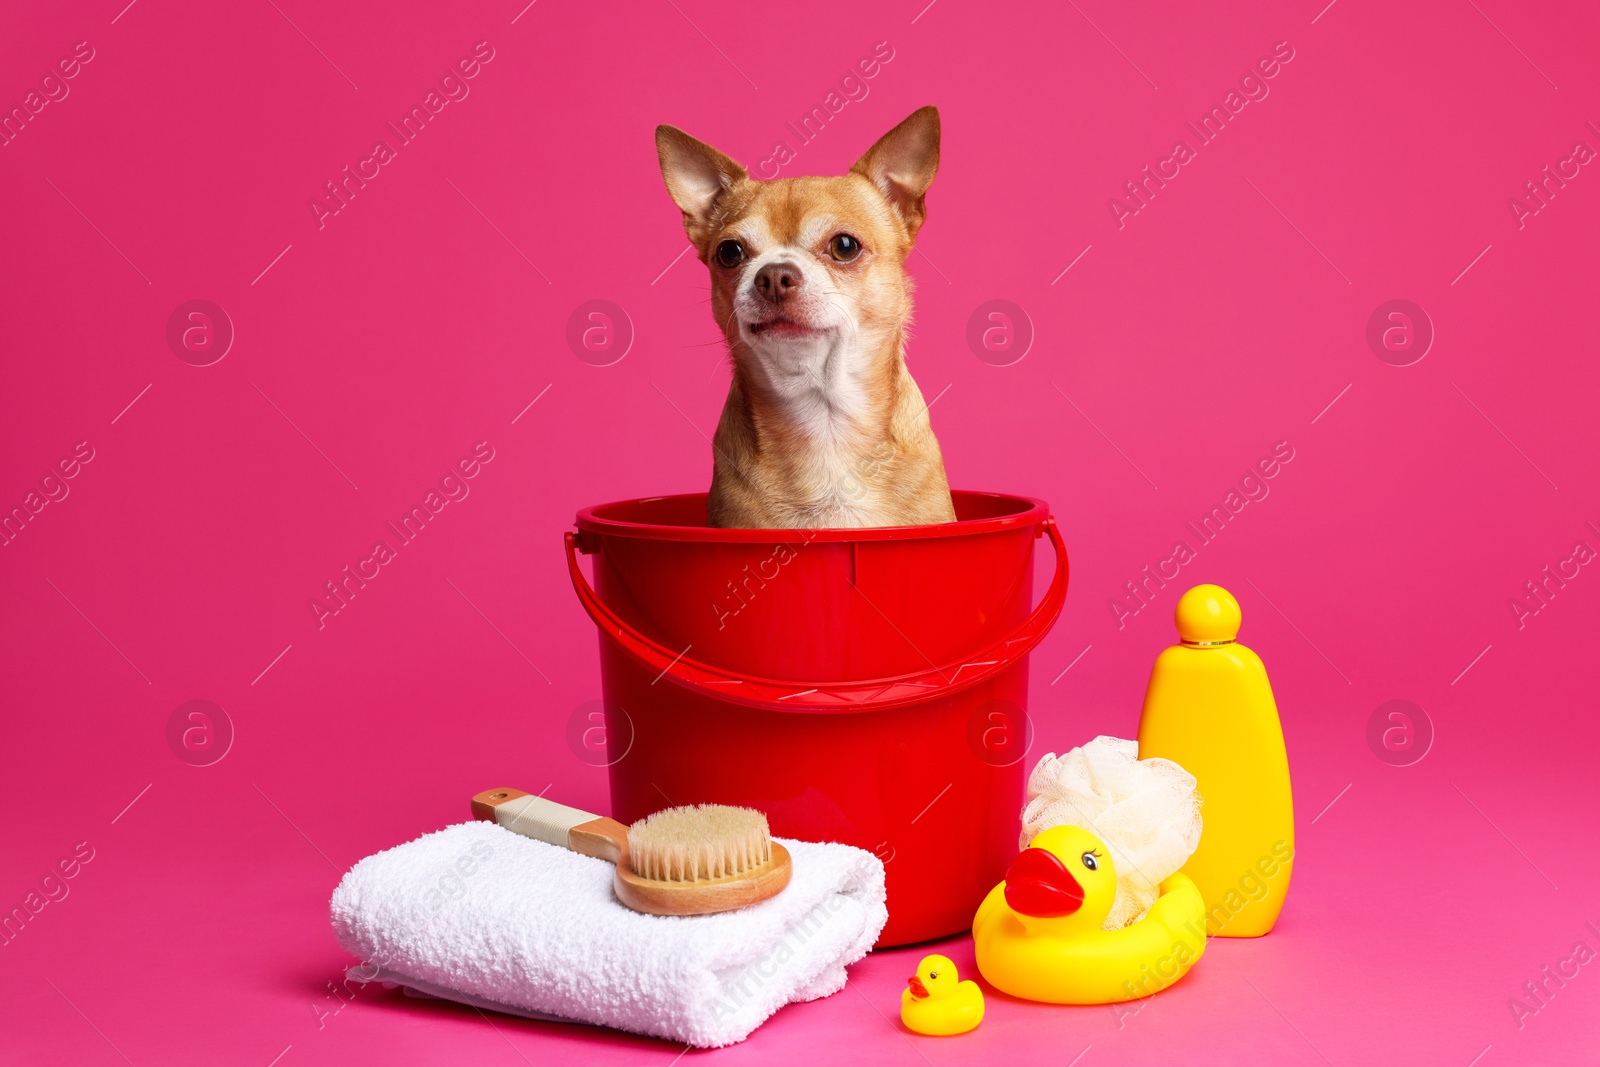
x=730, y=253
x=844, y=248
x=1089, y=861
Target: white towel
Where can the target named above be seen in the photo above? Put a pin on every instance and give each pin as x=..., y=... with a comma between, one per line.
x=477, y=913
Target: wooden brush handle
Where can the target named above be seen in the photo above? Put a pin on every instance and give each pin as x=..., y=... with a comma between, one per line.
x=554, y=824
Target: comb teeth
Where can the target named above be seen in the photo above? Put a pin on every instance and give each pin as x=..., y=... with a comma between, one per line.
x=696, y=844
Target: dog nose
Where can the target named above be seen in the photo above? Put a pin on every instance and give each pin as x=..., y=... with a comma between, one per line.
x=777, y=280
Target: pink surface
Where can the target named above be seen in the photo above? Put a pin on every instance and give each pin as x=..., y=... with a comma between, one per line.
x=1229, y=313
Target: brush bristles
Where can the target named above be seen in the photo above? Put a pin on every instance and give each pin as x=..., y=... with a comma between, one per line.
x=696, y=844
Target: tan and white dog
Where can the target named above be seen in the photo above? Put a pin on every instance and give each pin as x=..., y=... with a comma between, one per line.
x=823, y=426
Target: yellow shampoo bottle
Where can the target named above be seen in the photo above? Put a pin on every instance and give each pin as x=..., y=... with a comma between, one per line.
x=1209, y=708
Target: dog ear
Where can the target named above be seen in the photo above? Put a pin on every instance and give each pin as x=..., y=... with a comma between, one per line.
x=697, y=176
x=902, y=165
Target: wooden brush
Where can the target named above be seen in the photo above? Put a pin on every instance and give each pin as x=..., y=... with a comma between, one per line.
x=681, y=861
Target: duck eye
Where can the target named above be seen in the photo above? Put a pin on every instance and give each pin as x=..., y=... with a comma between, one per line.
x=1089, y=861
x=730, y=253
x=844, y=248
x=933, y=974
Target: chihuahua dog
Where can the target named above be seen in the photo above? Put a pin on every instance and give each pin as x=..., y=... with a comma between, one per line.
x=823, y=426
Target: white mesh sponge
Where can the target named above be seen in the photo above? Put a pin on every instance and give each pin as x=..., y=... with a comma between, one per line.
x=1146, y=811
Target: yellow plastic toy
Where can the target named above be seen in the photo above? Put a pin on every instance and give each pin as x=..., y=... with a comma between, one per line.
x=937, y=1003
x=1209, y=708
x=1038, y=932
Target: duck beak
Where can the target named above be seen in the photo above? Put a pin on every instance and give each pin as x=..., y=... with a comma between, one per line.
x=918, y=990
x=1039, y=885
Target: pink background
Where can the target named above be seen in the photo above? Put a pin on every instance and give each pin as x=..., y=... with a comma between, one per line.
x=1226, y=316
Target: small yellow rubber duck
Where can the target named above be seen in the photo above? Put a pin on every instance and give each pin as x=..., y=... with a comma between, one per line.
x=1038, y=933
x=937, y=1003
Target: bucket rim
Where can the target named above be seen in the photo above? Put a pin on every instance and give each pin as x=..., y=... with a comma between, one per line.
x=1027, y=511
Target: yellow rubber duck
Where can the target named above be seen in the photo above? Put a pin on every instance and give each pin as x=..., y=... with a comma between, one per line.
x=937, y=1003
x=1038, y=933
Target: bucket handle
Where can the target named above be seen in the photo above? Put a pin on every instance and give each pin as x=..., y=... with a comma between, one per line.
x=840, y=697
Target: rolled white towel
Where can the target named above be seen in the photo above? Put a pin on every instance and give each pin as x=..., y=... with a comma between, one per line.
x=478, y=913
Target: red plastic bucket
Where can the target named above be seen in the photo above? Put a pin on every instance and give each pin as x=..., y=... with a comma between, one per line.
x=864, y=686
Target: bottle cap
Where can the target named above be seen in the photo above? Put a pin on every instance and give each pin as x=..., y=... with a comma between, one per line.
x=1207, y=615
